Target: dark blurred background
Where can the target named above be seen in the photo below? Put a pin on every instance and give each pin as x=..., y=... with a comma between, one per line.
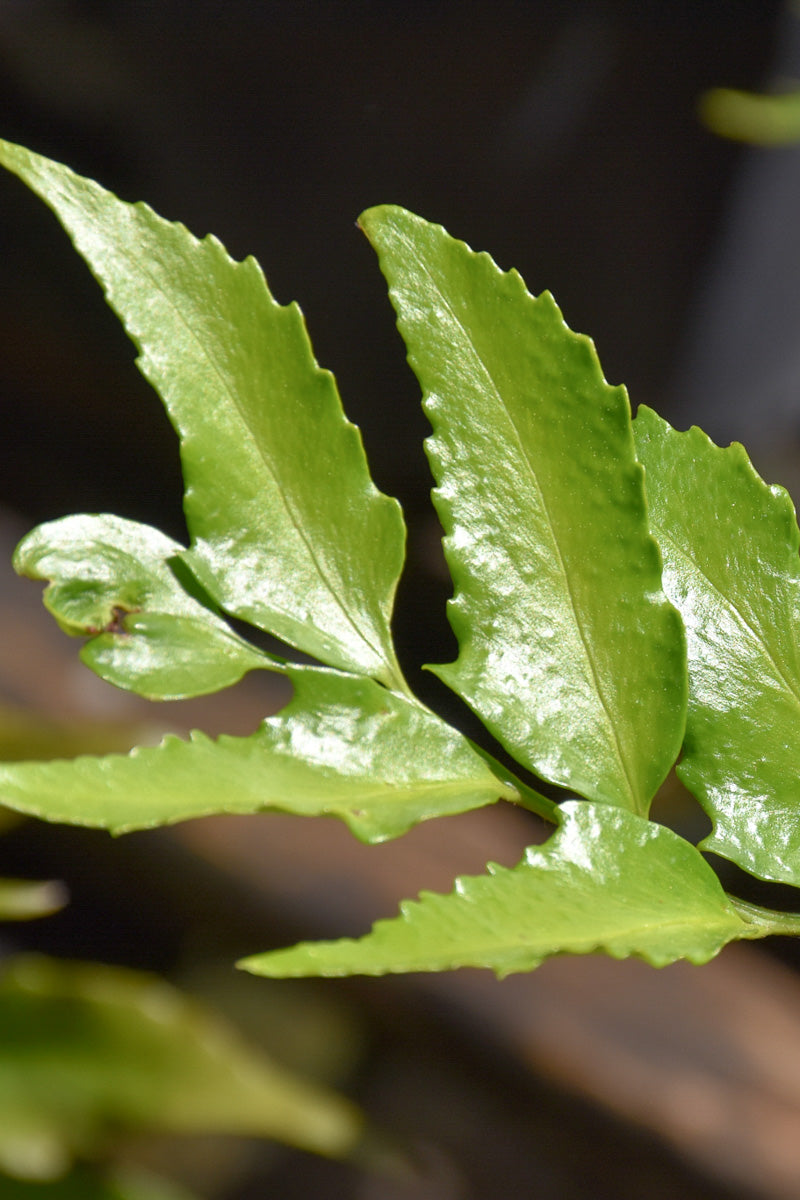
x=561, y=136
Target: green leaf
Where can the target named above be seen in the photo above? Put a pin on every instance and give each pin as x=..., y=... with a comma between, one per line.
x=116, y=581
x=26, y=899
x=606, y=881
x=730, y=546
x=87, y=1050
x=343, y=747
x=568, y=649
x=288, y=531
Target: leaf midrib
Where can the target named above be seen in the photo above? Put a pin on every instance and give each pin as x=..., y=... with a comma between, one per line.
x=488, y=950
x=615, y=741
x=410, y=790
x=624, y=930
x=144, y=759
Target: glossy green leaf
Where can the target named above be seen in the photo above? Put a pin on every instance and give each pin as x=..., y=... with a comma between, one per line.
x=87, y=1051
x=26, y=899
x=730, y=546
x=568, y=649
x=115, y=582
x=344, y=747
x=288, y=531
x=606, y=881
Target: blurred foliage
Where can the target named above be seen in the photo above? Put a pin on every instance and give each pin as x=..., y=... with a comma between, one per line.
x=85, y=1184
x=761, y=120
x=26, y=734
x=24, y=899
x=88, y=1051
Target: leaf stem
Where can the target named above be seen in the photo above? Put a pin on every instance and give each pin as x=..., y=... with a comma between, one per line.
x=531, y=799
x=765, y=921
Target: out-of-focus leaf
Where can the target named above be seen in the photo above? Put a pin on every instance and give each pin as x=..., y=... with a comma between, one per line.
x=26, y=899
x=606, y=881
x=762, y=120
x=288, y=530
x=568, y=649
x=730, y=546
x=114, y=581
x=344, y=746
x=85, y=1184
x=88, y=1051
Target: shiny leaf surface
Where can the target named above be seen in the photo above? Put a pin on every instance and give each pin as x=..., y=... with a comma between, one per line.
x=344, y=747
x=288, y=531
x=606, y=881
x=115, y=582
x=568, y=649
x=87, y=1050
x=730, y=546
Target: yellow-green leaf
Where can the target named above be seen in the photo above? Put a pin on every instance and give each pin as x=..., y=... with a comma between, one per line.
x=568, y=650
x=344, y=746
x=117, y=583
x=730, y=546
x=606, y=881
x=287, y=528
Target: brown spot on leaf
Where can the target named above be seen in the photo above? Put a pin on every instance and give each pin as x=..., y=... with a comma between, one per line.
x=118, y=615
